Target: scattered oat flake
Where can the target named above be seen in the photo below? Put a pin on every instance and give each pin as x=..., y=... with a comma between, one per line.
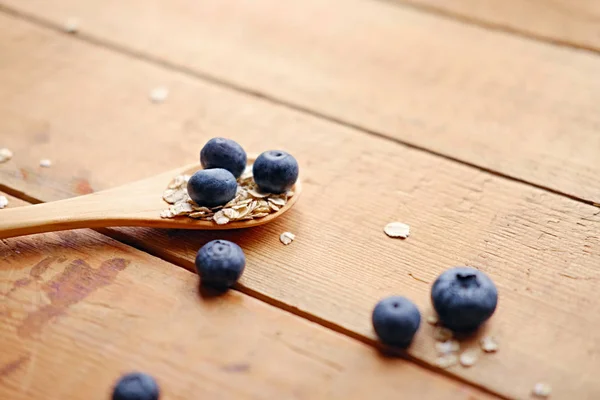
x=5, y=155
x=45, y=163
x=489, y=344
x=542, y=390
x=442, y=334
x=446, y=361
x=469, y=357
x=159, y=94
x=432, y=319
x=3, y=202
x=287, y=238
x=447, y=347
x=72, y=25
x=397, y=230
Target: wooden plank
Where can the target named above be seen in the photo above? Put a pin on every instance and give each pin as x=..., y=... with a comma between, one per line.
x=568, y=22
x=79, y=309
x=542, y=249
x=523, y=108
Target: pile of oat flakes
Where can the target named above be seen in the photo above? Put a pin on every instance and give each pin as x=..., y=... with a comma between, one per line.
x=248, y=204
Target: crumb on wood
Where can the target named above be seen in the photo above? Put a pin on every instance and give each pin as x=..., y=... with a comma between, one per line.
x=72, y=25
x=159, y=94
x=541, y=390
x=287, y=238
x=5, y=155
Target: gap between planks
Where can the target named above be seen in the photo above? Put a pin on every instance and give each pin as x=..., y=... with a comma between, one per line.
x=190, y=72
x=490, y=25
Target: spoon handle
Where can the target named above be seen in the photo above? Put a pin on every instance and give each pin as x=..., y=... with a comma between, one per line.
x=75, y=213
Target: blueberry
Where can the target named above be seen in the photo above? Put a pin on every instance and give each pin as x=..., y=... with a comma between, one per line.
x=223, y=153
x=275, y=171
x=136, y=386
x=220, y=263
x=396, y=320
x=212, y=187
x=464, y=298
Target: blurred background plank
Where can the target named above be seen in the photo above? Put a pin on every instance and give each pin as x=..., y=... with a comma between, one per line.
x=568, y=22
x=515, y=106
x=87, y=108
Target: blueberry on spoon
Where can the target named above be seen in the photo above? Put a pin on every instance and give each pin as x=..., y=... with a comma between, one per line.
x=212, y=187
x=275, y=171
x=224, y=153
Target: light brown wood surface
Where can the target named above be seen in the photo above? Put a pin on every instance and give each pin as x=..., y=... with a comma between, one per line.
x=519, y=107
x=132, y=204
x=567, y=22
x=541, y=249
x=79, y=309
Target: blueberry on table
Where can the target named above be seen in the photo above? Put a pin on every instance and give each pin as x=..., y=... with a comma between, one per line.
x=212, y=187
x=224, y=153
x=220, y=263
x=396, y=320
x=464, y=298
x=275, y=171
x=136, y=386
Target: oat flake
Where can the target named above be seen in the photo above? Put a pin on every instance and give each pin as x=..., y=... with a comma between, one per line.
x=489, y=344
x=397, y=230
x=5, y=155
x=432, y=319
x=159, y=94
x=72, y=25
x=447, y=347
x=542, y=390
x=256, y=194
x=287, y=238
x=442, y=334
x=468, y=358
x=3, y=202
x=446, y=361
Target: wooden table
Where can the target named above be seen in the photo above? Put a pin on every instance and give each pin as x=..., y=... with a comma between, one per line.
x=476, y=122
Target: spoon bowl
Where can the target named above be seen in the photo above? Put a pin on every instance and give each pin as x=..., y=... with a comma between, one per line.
x=135, y=204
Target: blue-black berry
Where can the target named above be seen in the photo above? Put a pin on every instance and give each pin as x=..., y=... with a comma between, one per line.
x=220, y=263
x=224, y=153
x=275, y=171
x=136, y=386
x=212, y=187
x=464, y=298
x=396, y=320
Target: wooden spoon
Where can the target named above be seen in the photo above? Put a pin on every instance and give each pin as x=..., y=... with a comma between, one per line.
x=135, y=204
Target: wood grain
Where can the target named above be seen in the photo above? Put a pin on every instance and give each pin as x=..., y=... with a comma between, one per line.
x=542, y=249
x=568, y=22
x=78, y=310
x=523, y=108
